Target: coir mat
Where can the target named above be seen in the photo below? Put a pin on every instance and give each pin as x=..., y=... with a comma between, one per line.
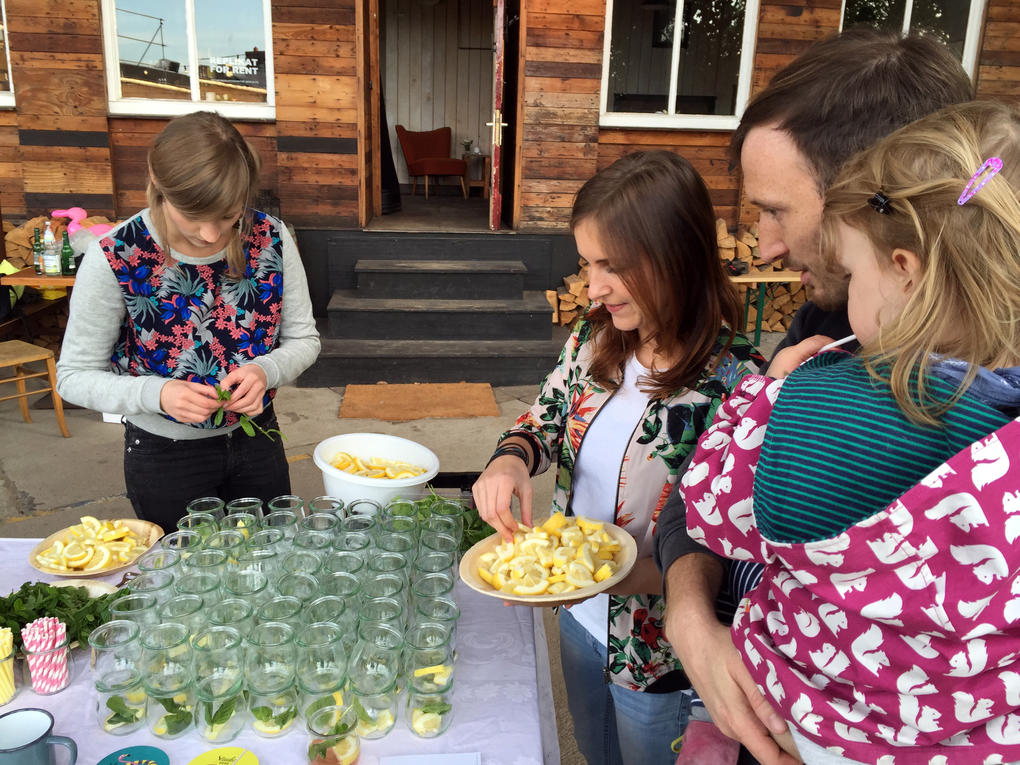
x=416, y=401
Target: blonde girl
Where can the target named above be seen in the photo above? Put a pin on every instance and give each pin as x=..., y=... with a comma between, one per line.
x=881, y=489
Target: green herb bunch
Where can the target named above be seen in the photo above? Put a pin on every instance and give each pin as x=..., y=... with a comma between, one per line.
x=72, y=605
x=248, y=425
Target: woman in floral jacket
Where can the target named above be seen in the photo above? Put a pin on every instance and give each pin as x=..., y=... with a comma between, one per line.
x=635, y=385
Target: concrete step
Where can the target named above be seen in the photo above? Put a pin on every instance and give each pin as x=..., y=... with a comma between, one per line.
x=354, y=317
x=445, y=279
x=497, y=362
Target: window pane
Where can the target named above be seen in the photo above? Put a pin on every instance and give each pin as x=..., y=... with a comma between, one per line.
x=639, y=56
x=709, y=66
x=152, y=46
x=231, y=50
x=880, y=14
x=945, y=20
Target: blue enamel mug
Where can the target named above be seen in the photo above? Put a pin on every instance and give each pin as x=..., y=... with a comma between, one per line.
x=26, y=739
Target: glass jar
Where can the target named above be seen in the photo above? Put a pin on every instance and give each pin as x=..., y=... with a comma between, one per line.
x=385, y=586
x=202, y=583
x=429, y=714
x=160, y=560
x=360, y=522
x=220, y=706
x=49, y=669
x=252, y=505
x=289, y=502
x=247, y=585
x=273, y=714
x=318, y=542
x=455, y=511
x=233, y=612
x=345, y=586
x=270, y=658
x=433, y=586
x=404, y=545
x=304, y=587
x=170, y=717
x=168, y=679
x=401, y=525
x=159, y=584
x=302, y=562
x=117, y=675
x=326, y=608
x=330, y=505
x=202, y=524
x=282, y=520
x=230, y=541
x=342, y=560
x=208, y=560
x=184, y=543
x=428, y=658
x=269, y=538
x=383, y=611
x=363, y=507
x=186, y=610
x=375, y=662
x=441, y=533
x=10, y=678
x=322, y=661
x=443, y=610
x=433, y=562
x=246, y=523
x=211, y=505
x=389, y=563
x=262, y=559
x=139, y=608
x=320, y=522
x=357, y=542
x=377, y=713
x=333, y=736
x=219, y=719
x=284, y=609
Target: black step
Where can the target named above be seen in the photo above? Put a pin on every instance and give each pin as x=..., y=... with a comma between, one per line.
x=365, y=362
x=445, y=279
x=353, y=317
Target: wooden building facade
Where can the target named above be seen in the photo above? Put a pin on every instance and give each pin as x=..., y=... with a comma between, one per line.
x=60, y=145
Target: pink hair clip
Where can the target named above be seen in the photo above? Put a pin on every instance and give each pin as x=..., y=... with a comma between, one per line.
x=985, y=173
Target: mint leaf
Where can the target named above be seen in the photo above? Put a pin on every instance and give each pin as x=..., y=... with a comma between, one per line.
x=122, y=713
x=208, y=709
x=225, y=712
x=262, y=714
x=177, y=722
x=218, y=417
x=362, y=714
x=283, y=719
x=169, y=704
x=247, y=426
x=435, y=707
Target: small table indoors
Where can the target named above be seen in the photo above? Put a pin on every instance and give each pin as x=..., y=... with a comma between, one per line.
x=27, y=277
x=482, y=183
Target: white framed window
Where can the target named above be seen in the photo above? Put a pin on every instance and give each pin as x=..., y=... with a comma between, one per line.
x=956, y=23
x=699, y=77
x=6, y=87
x=169, y=57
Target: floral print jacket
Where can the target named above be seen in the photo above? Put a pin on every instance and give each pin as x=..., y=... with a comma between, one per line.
x=668, y=432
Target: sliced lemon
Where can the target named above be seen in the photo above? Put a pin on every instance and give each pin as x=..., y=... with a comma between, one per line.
x=347, y=750
x=76, y=554
x=536, y=588
x=584, y=557
x=485, y=576
x=425, y=723
x=555, y=522
x=101, y=559
x=578, y=575
x=382, y=723
x=91, y=524
x=267, y=728
x=440, y=672
x=338, y=698
x=109, y=535
x=560, y=588
x=135, y=697
x=605, y=571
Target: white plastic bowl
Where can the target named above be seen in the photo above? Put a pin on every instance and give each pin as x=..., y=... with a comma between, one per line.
x=348, y=487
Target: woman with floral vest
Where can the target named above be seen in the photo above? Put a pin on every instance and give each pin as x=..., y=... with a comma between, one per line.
x=196, y=297
x=635, y=385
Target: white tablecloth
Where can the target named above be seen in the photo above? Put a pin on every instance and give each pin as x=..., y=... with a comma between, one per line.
x=502, y=700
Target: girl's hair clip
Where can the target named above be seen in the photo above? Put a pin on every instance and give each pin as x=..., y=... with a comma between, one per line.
x=991, y=167
x=881, y=203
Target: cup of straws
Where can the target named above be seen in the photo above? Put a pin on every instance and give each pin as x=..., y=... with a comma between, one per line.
x=47, y=655
x=8, y=685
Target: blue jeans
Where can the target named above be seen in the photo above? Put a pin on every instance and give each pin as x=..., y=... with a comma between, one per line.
x=163, y=474
x=614, y=725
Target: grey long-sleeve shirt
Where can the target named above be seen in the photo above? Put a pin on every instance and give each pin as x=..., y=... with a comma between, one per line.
x=84, y=374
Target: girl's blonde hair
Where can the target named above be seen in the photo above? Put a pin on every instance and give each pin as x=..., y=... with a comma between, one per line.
x=203, y=166
x=966, y=302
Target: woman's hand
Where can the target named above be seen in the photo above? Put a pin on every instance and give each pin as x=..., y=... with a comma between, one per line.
x=504, y=477
x=247, y=386
x=188, y=401
x=793, y=356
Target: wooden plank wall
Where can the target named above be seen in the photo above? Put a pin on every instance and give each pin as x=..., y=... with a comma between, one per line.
x=54, y=148
x=562, y=62
x=998, y=74
x=437, y=72
x=315, y=57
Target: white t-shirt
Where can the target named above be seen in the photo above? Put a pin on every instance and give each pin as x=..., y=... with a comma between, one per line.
x=597, y=475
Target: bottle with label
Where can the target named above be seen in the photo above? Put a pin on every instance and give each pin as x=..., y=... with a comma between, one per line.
x=51, y=255
x=37, y=258
x=67, y=264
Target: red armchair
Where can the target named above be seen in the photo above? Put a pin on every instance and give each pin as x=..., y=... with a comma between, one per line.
x=428, y=153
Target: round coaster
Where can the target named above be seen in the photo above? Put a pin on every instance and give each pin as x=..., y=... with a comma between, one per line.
x=137, y=755
x=226, y=755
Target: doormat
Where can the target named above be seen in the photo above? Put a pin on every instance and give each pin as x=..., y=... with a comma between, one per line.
x=416, y=401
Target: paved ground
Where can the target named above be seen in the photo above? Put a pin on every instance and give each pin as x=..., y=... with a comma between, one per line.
x=47, y=481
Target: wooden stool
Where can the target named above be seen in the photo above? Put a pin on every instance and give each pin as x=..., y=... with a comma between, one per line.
x=14, y=353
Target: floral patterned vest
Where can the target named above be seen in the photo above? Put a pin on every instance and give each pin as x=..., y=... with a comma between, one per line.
x=191, y=322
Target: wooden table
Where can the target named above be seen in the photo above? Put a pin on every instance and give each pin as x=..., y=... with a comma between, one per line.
x=27, y=277
x=763, y=279
x=472, y=183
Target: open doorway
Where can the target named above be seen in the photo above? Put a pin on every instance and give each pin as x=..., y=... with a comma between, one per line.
x=436, y=71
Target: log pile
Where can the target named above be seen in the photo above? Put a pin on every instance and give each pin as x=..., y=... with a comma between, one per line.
x=570, y=301
x=739, y=253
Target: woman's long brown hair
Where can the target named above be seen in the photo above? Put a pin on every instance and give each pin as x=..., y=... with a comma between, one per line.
x=656, y=224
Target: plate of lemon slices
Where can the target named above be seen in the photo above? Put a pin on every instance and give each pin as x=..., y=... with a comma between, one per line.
x=93, y=547
x=565, y=558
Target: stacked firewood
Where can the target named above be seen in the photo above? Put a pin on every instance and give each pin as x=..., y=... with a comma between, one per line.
x=570, y=301
x=739, y=253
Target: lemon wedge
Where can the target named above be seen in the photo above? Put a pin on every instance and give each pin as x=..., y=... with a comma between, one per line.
x=347, y=750
x=578, y=575
x=100, y=559
x=91, y=524
x=425, y=723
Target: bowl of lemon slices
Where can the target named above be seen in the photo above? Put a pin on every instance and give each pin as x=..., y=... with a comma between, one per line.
x=563, y=559
x=374, y=466
x=93, y=547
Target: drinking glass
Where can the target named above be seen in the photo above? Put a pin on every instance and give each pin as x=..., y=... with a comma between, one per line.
x=357, y=542
x=318, y=542
x=385, y=586
x=160, y=560
x=332, y=735
x=208, y=560
x=325, y=505
x=302, y=561
x=202, y=524
x=326, y=608
x=117, y=674
x=232, y=612
x=280, y=609
x=320, y=522
x=202, y=583
x=246, y=523
x=383, y=611
x=211, y=505
x=140, y=609
x=186, y=610
x=270, y=658
x=433, y=585
x=304, y=587
x=289, y=502
x=230, y=541
x=283, y=520
x=388, y=563
x=355, y=521
x=168, y=678
x=433, y=562
x=262, y=559
x=247, y=585
x=428, y=658
x=220, y=710
x=159, y=584
x=342, y=560
x=429, y=714
x=322, y=661
x=251, y=505
x=184, y=543
x=401, y=544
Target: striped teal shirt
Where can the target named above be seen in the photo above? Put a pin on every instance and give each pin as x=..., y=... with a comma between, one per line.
x=838, y=449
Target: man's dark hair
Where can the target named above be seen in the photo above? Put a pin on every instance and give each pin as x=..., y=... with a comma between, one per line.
x=845, y=92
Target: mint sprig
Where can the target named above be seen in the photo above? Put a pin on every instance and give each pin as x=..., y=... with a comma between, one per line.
x=248, y=425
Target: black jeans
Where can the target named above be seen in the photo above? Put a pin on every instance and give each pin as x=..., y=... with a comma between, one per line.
x=163, y=474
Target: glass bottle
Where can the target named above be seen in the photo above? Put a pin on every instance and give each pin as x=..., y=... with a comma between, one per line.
x=37, y=252
x=67, y=265
x=51, y=255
